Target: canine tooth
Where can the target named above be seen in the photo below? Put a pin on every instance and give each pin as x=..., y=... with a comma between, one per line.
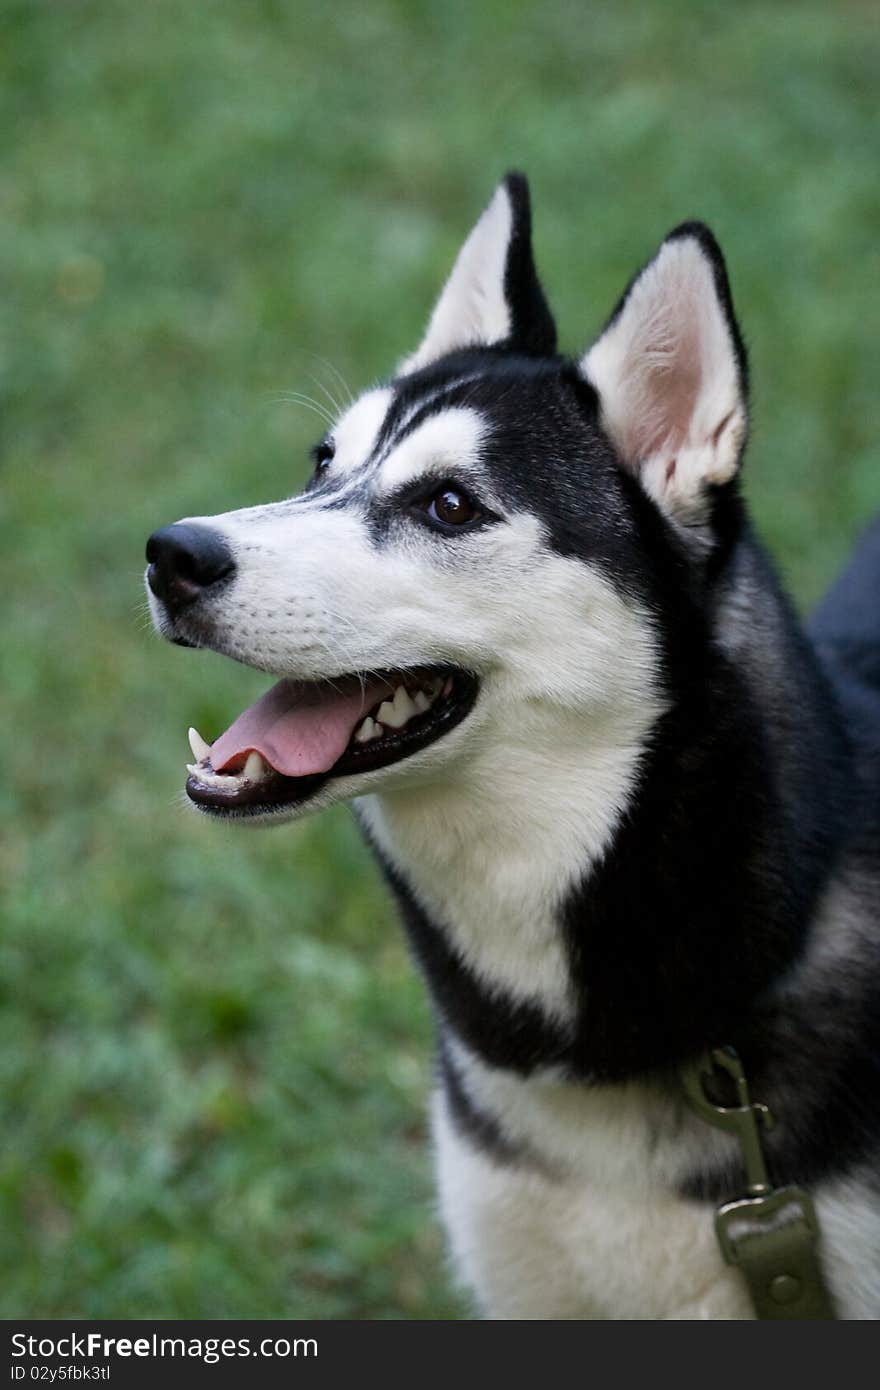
x=447, y=689
x=366, y=730
x=421, y=701
x=200, y=749
x=255, y=769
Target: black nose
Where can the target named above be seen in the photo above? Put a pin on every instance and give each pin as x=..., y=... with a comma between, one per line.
x=184, y=561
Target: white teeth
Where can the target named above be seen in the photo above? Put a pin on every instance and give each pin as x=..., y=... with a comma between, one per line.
x=255, y=769
x=403, y=703
x=200, y=749
x=212, y=779
x=385, y=714
x=396, y=713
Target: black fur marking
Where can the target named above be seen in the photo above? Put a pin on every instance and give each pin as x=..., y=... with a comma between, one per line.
x=474, y=1123
x=533, y=328
x=504, y=1032
x=356, y=494
x=422, y=394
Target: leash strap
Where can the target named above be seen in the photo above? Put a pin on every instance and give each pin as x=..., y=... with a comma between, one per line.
x=771, y=1234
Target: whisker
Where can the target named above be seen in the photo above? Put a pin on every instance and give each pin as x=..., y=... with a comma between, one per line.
x=300, y=398
x=327, y=392
x=362, y=672
x=338, y=375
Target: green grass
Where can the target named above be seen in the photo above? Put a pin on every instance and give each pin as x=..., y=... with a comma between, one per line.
x=214, y=1055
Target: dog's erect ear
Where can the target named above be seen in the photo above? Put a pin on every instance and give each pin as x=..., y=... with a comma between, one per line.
x=493, y=294
x=670, y=371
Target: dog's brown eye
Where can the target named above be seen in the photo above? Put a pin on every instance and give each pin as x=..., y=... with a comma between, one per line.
x=451, y=508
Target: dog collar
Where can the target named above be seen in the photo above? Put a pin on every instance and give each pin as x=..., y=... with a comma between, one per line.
x=770, y=1234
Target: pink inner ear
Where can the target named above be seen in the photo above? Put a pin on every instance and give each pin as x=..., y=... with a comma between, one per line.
x=667, y=375
x=666, y=388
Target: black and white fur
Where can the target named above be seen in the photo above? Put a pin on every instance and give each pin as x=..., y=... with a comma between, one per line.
x=659, y=827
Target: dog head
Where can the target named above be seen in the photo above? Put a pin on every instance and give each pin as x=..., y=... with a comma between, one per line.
x=490, y=539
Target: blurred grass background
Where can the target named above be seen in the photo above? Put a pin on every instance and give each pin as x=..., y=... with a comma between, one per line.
x=214, y=1055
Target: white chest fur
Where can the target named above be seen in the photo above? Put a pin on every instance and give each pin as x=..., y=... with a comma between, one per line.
x=532, y=1247
x=592, y=1226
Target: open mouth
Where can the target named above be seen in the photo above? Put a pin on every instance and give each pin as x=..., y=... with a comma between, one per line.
x=301, y=733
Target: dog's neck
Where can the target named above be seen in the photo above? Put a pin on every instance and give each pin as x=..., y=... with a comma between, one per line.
x=490, y=856
x=611, y=899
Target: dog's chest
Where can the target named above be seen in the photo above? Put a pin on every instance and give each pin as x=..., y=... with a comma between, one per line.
x=531, y=1248
x=585, y=1220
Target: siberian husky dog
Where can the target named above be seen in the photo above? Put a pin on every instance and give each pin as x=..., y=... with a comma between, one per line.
x=628, y=807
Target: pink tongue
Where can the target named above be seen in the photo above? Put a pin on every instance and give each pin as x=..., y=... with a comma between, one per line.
x=299, y=727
